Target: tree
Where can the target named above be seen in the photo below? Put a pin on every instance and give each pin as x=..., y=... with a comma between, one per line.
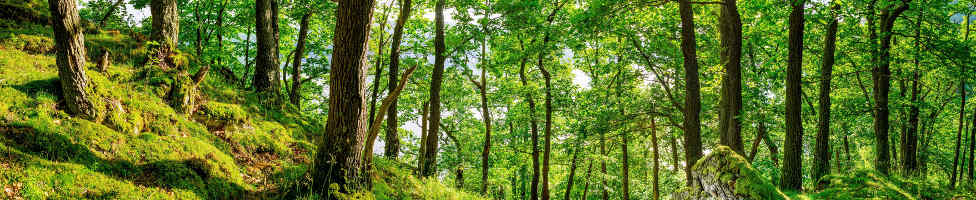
x=792, y=177
x=657, y=163
x=266, y=79
x=392, y=139
x=692, y=122
x=296, y=67
x=962, y=114
x=338, y=160
x=429, y=165
x=486, y=116
x=109, y=12
x=70, y=45
x=730, y=30
x=821, y=156
x=532, y=128
x=881, y=76
x=909, y=142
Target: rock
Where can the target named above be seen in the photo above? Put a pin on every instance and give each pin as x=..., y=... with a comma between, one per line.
x=726, y=175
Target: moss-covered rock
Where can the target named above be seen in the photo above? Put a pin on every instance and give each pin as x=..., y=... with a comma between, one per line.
x=215, y=114
x=724, y=174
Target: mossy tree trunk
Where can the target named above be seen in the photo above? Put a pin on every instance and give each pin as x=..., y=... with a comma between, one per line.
x=730, y=31
x=429, y=165
x=266, y=76
x=71, y=55
x=692, y=122
x=792, y=173
x=821, y=156
x=392, y=138
x=338, y=160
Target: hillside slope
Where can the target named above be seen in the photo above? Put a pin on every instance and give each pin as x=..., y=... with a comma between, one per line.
x=230, y=147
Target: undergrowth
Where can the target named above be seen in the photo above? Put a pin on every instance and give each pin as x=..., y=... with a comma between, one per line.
x=231, y=147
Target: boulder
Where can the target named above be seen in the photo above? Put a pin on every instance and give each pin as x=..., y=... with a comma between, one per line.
x=724, y=174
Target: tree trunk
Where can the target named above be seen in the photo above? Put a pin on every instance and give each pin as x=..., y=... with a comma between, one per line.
x=486, y=116
x=392, y=138
x=572, y=166
x=430, y=159
x=773, y=150
x=909, y=142
x=972, y=145
x=296, y=67
x=548, y=128
x=424, y=115
x=534, y=131
x=675, y=159
x=266, y=78
x=730, y=32
x=821, y=156
x=657, y=163
x=71, y=55
x=963, y=88
x=792, y=173
x=692, y=123
x=338, y=158
x=882, y=84
x=108, y=13
x=165, y=23
x=379, y=62
x=603, y=166
x=586, y=180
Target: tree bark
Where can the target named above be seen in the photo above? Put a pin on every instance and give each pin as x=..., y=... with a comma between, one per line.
x=165, y=23
x=338, y=160
x=392, y=138
x=486, y=116
x=548, y=81
x=821, y=156
x=882, y=84
x=657, y=163
x=424, y=115
x=692, y=123
x=296, y=67
x=909, y=142
x=791, y=177
x=70, y=45
x=730, y=32
x=675, y=159
x=534, y=131
x=108, y=13
x=430, y=159
x=572, y=165
x=266, y=78
x=586, y=180
x=379, y=62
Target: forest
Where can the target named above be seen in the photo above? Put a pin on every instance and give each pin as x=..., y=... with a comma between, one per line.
x=487, y=99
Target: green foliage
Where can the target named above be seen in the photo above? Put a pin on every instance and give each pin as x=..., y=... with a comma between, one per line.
x=29, y=43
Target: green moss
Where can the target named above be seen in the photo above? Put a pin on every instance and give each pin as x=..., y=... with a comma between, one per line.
x=222, y=112
x=733, y=170
x=32, y=44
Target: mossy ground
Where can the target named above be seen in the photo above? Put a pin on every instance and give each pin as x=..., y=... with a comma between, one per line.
x=231, y=147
